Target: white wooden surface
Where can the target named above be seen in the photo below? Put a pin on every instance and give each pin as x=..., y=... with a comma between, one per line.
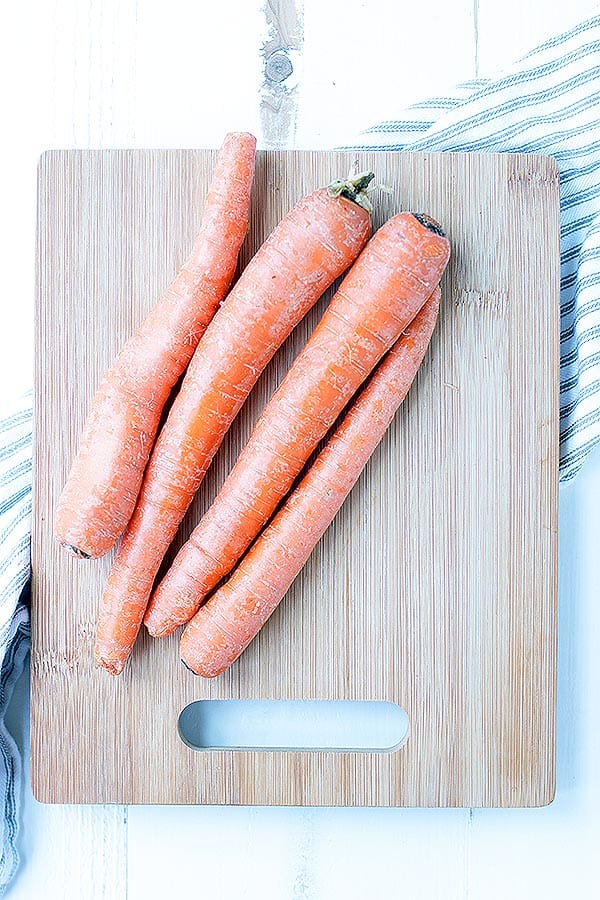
x=143, y=73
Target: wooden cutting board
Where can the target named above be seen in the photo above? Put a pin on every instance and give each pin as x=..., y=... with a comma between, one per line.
x=435, y=587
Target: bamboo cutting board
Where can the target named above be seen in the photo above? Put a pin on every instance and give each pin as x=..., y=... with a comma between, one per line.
x=435, y=587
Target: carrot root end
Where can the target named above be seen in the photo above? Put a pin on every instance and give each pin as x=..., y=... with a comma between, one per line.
x=160, y=631
x=430, y=223
x=189, y=668
x=110, y=666
x=75, y=551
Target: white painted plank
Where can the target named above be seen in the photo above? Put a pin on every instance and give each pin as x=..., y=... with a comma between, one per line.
x=508, y=30
x=267, y=854
x=25, y=61
x=282, y=51
x=198, y=71
x=413, y=853
x=367, y=60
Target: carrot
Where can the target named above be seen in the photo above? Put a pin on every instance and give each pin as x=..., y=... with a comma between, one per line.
x=309, y=248
x=378, y=298
x=99, y=496
x=222, y=629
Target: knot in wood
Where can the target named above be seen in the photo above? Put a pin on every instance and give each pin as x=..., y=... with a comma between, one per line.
x=278, y=66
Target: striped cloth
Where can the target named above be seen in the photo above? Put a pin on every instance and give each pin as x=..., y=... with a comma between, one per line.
x=547, y=103
x=15, y=527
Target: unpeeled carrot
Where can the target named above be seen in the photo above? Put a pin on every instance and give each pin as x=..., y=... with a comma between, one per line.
x=100, y=493
x=381, y=294
x=222, y=628
x=309, y=248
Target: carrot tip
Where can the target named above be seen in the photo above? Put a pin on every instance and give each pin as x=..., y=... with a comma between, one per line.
x=75, y=551
x=189, y=668
x=111, y=667
x=158, y=631
x=430, y=223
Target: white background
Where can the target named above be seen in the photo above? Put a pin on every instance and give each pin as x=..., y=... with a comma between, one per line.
x=139, y=73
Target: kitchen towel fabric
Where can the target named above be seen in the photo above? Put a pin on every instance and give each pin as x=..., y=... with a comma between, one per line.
x=546, y=103
x=15, y=529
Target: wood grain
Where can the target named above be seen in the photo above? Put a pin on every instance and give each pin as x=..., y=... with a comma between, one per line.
x=279, y=88
x=436, y=585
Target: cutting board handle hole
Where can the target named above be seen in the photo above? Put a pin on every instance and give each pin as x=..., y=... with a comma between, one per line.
x=362, y=725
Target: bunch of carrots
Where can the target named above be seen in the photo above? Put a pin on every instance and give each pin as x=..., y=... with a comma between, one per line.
x=132, y=483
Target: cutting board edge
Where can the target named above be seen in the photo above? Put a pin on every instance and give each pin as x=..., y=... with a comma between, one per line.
x=158, y=150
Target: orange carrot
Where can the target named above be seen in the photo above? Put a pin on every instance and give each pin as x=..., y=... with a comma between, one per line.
x=99, y=496
x=378, y=298
x=222, y=629
x=310, y=247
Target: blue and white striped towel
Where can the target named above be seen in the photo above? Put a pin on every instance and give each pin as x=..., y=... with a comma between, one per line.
x=15, y=528
x=545, y=104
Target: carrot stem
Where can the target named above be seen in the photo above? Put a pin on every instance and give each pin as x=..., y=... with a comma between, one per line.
x=354, y=188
